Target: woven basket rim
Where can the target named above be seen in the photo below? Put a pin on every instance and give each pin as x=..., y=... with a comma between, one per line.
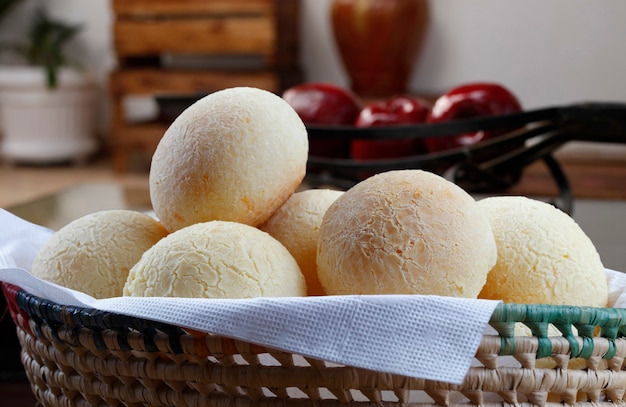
x=67, y=346
x=611, y=321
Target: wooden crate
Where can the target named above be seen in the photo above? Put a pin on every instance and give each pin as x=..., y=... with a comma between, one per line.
x=146, y=32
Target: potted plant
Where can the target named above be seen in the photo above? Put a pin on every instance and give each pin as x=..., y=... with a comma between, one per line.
x=47, y=103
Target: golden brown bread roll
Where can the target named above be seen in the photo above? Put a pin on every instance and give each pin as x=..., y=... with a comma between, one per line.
x=405, y=232
x=216, y=259
x=296, y=225
x=543, y=256
x=237, y=155
x=94, y=253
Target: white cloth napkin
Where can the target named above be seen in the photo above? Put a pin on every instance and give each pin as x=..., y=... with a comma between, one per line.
x=429, y=337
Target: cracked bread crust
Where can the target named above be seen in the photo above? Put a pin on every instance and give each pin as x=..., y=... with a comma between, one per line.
x=544, y=257
x=94, y=253
x=236, y=155
x=405, y=232
x=216, y=259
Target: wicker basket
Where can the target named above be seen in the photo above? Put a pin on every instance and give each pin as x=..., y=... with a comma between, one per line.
x=78, y=357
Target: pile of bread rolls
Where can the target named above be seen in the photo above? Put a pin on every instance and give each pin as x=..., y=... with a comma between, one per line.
x=233, y=223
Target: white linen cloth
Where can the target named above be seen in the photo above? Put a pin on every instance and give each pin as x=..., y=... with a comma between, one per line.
x=429, y=337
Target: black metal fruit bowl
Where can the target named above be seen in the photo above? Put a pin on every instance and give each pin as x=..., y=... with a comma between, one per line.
x=492, y=165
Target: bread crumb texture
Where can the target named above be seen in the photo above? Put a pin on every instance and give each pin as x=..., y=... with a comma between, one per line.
x=93, y=254
x=405, y=232
x=216, y=259
x=543, y=256
x=296, y=225
x=236, y=155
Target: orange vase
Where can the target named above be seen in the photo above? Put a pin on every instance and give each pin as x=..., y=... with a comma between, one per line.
x=379, y=41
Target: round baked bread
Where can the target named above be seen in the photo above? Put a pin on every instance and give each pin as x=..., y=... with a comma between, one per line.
x=405, y=232
x=296, y=225
x=544, y=257
x=216, y=259
x=237, y=155
x=93, y=254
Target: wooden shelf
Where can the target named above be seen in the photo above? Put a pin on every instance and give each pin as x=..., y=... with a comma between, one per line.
x=134, y=8
x=252, y=34
x=153, y=81
x=148, y=32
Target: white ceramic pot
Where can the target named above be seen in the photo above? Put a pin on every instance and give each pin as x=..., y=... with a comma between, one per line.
x=42, y=125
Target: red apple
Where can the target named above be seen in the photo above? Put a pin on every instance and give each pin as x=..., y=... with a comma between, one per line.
x=468, y=101
x=325, y=104
x=401, y=109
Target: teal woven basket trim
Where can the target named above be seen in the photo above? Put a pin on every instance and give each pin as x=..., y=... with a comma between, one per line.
x=504, y=329
x=610, y=332
x=505, y=316
x=586, y=330
x=538, y=317
x=612, y=320
x=568, y=333
x=507, y=346
x=565, y=329
x=539, y=329
x=542, y=313
x=615, y=319
x=587, y=349
x=612, y=351
x=544, y=348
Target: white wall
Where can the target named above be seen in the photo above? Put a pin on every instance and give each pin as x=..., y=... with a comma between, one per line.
x=547, y=51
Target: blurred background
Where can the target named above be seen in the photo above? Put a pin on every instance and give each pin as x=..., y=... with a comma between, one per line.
x=139, y=54
x=547, y=52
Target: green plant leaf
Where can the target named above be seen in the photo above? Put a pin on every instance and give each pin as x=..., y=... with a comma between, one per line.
x=48, y=38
